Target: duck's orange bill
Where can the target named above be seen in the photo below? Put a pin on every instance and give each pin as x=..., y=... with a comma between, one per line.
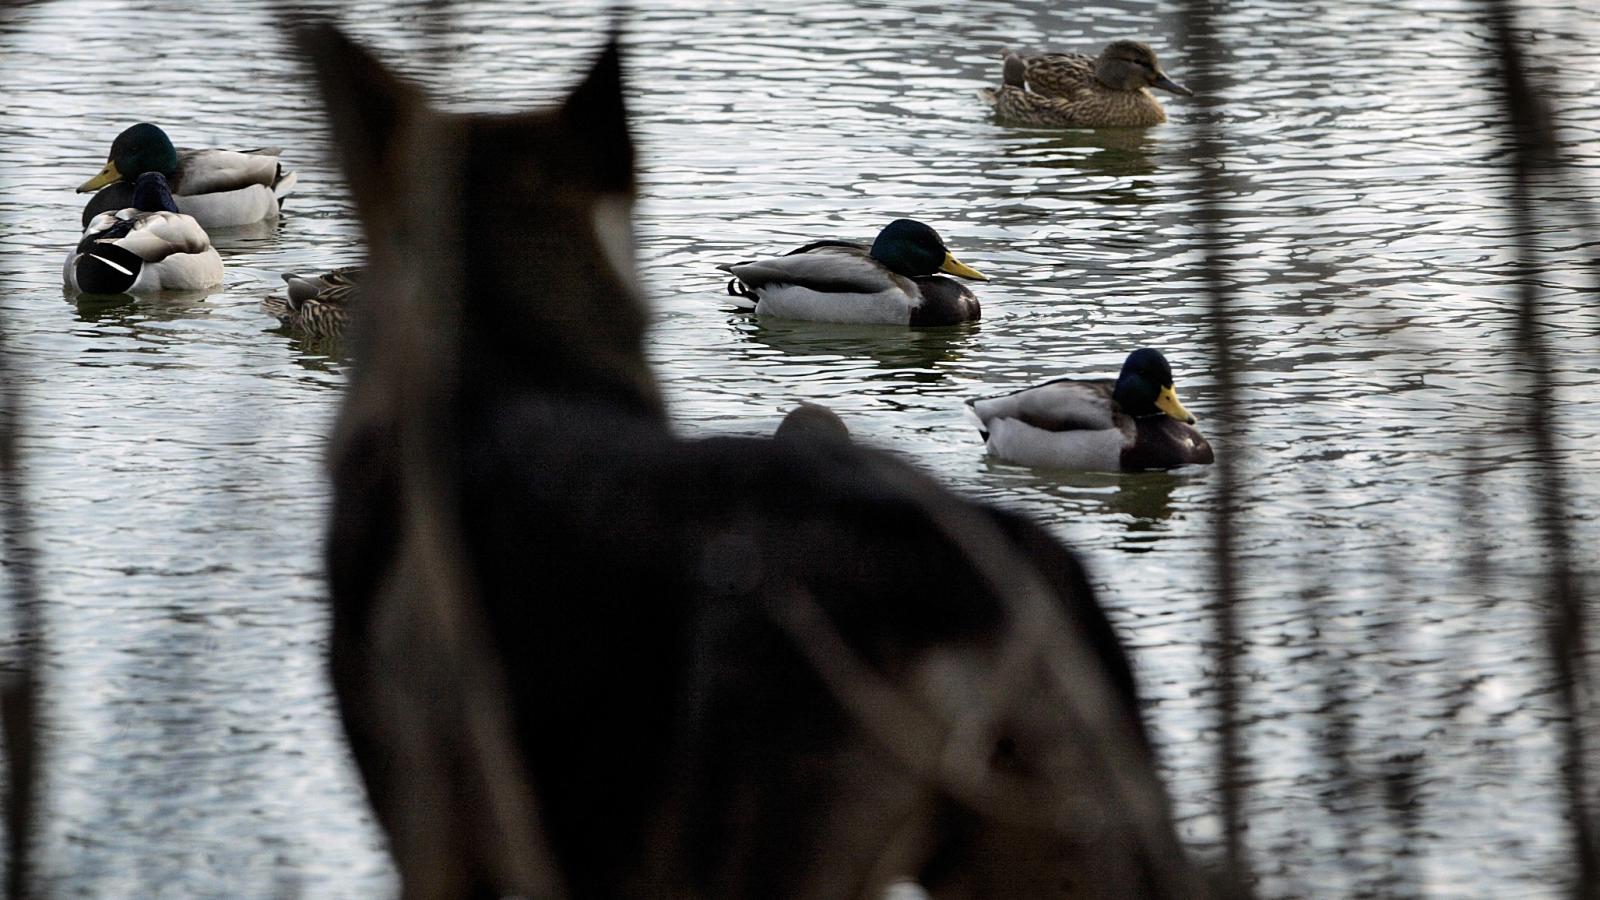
x=957, y=267
x=1167, y=402
x=108, y=175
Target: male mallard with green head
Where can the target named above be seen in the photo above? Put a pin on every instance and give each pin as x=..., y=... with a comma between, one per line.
x=220, y=188
x=144, y=247
x=892, y=283
x=317, y=306
x=1072, y=90
x=1132, y=423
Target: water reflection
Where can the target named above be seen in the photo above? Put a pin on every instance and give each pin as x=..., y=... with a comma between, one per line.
x=1109, y=152
x=251, y=236
x=127, y=309
x=900, y=351
x=326, y=355
x=1142, y=502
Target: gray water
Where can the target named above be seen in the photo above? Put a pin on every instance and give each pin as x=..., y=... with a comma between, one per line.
x=174, y=445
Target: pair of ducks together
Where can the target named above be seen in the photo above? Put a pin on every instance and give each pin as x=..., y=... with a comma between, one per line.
x=135, y=238
x=1131, y=423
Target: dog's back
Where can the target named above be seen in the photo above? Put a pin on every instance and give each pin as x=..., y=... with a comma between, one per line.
x=575, y=654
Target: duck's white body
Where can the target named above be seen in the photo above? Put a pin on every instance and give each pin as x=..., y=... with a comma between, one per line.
x=130, y=251
x=219, y=188
x=841, y=283
x=209, y=186
x=1057, y=425
x=828, y=284
x=794, y=301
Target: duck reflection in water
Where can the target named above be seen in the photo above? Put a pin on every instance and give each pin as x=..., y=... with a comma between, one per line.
x=1142, y=501
x=896, y=352
x=1113, y=153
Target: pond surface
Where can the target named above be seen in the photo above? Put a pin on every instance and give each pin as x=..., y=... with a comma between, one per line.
x=1399, y=724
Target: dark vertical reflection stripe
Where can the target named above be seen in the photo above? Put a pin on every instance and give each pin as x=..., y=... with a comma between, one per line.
x=1206, y=58
x=18, y=689
x=1531, y=137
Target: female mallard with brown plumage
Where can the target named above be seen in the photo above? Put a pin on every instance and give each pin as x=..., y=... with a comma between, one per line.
x=317, y=306
x=1133, y=423
x=1072, y=90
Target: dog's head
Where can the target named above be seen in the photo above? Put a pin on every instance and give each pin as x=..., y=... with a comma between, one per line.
x=503, y=238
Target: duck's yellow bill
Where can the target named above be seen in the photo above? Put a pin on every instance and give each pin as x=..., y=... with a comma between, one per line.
x=1167, y=402
x=108, y=175
x=957, y=267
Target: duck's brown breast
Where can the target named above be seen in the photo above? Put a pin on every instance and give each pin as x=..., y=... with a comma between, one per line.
x=1163, y=442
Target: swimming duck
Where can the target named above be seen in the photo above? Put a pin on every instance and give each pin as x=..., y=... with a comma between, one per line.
x=892, y=283
x=318, y=305
x=149, y=246
x=1132, y=423
x=220, y=188
x=1071, y=90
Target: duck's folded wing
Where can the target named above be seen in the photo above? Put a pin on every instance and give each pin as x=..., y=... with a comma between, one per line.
x=158, y=235
x=213, y=171
x=1059, y=74
x=1056, y=406
x=830, y=243
x=104, y=222
x=329, y=287
x=829, y=269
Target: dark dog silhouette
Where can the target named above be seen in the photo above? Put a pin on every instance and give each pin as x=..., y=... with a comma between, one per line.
x=576, y=655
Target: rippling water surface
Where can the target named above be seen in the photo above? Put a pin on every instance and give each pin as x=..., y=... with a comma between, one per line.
x=1394, y=657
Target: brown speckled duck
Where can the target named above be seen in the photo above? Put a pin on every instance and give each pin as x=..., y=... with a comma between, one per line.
x=1071, y=90
x=319, y=305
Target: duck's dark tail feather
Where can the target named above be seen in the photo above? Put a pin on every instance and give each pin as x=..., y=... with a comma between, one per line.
x=736, y=288
x=1014, y=70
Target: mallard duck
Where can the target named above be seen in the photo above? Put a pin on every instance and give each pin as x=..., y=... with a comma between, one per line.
x=1132, y=423
x=318, y=305
x=1071, y=90
x=148, y=246
x=220, y=188
x=893, y=283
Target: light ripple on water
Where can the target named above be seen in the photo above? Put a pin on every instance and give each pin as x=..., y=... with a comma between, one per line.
x=175, y=451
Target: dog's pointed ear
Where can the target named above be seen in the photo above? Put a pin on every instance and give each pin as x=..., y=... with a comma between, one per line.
x=598, y=115
x=368, y=108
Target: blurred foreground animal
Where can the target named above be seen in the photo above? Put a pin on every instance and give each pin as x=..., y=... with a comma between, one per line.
x=317, y=306
x=894, y=282
x=220, y=188
x=1134, y=422
x=810, y=421
x=576, y=655
x=147, y=247
x=1072, y=90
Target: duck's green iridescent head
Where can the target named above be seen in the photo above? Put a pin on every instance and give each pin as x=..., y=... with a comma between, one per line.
x=140, y=149
x=1145, y=387
x=1131, y=65
x=912, y=249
